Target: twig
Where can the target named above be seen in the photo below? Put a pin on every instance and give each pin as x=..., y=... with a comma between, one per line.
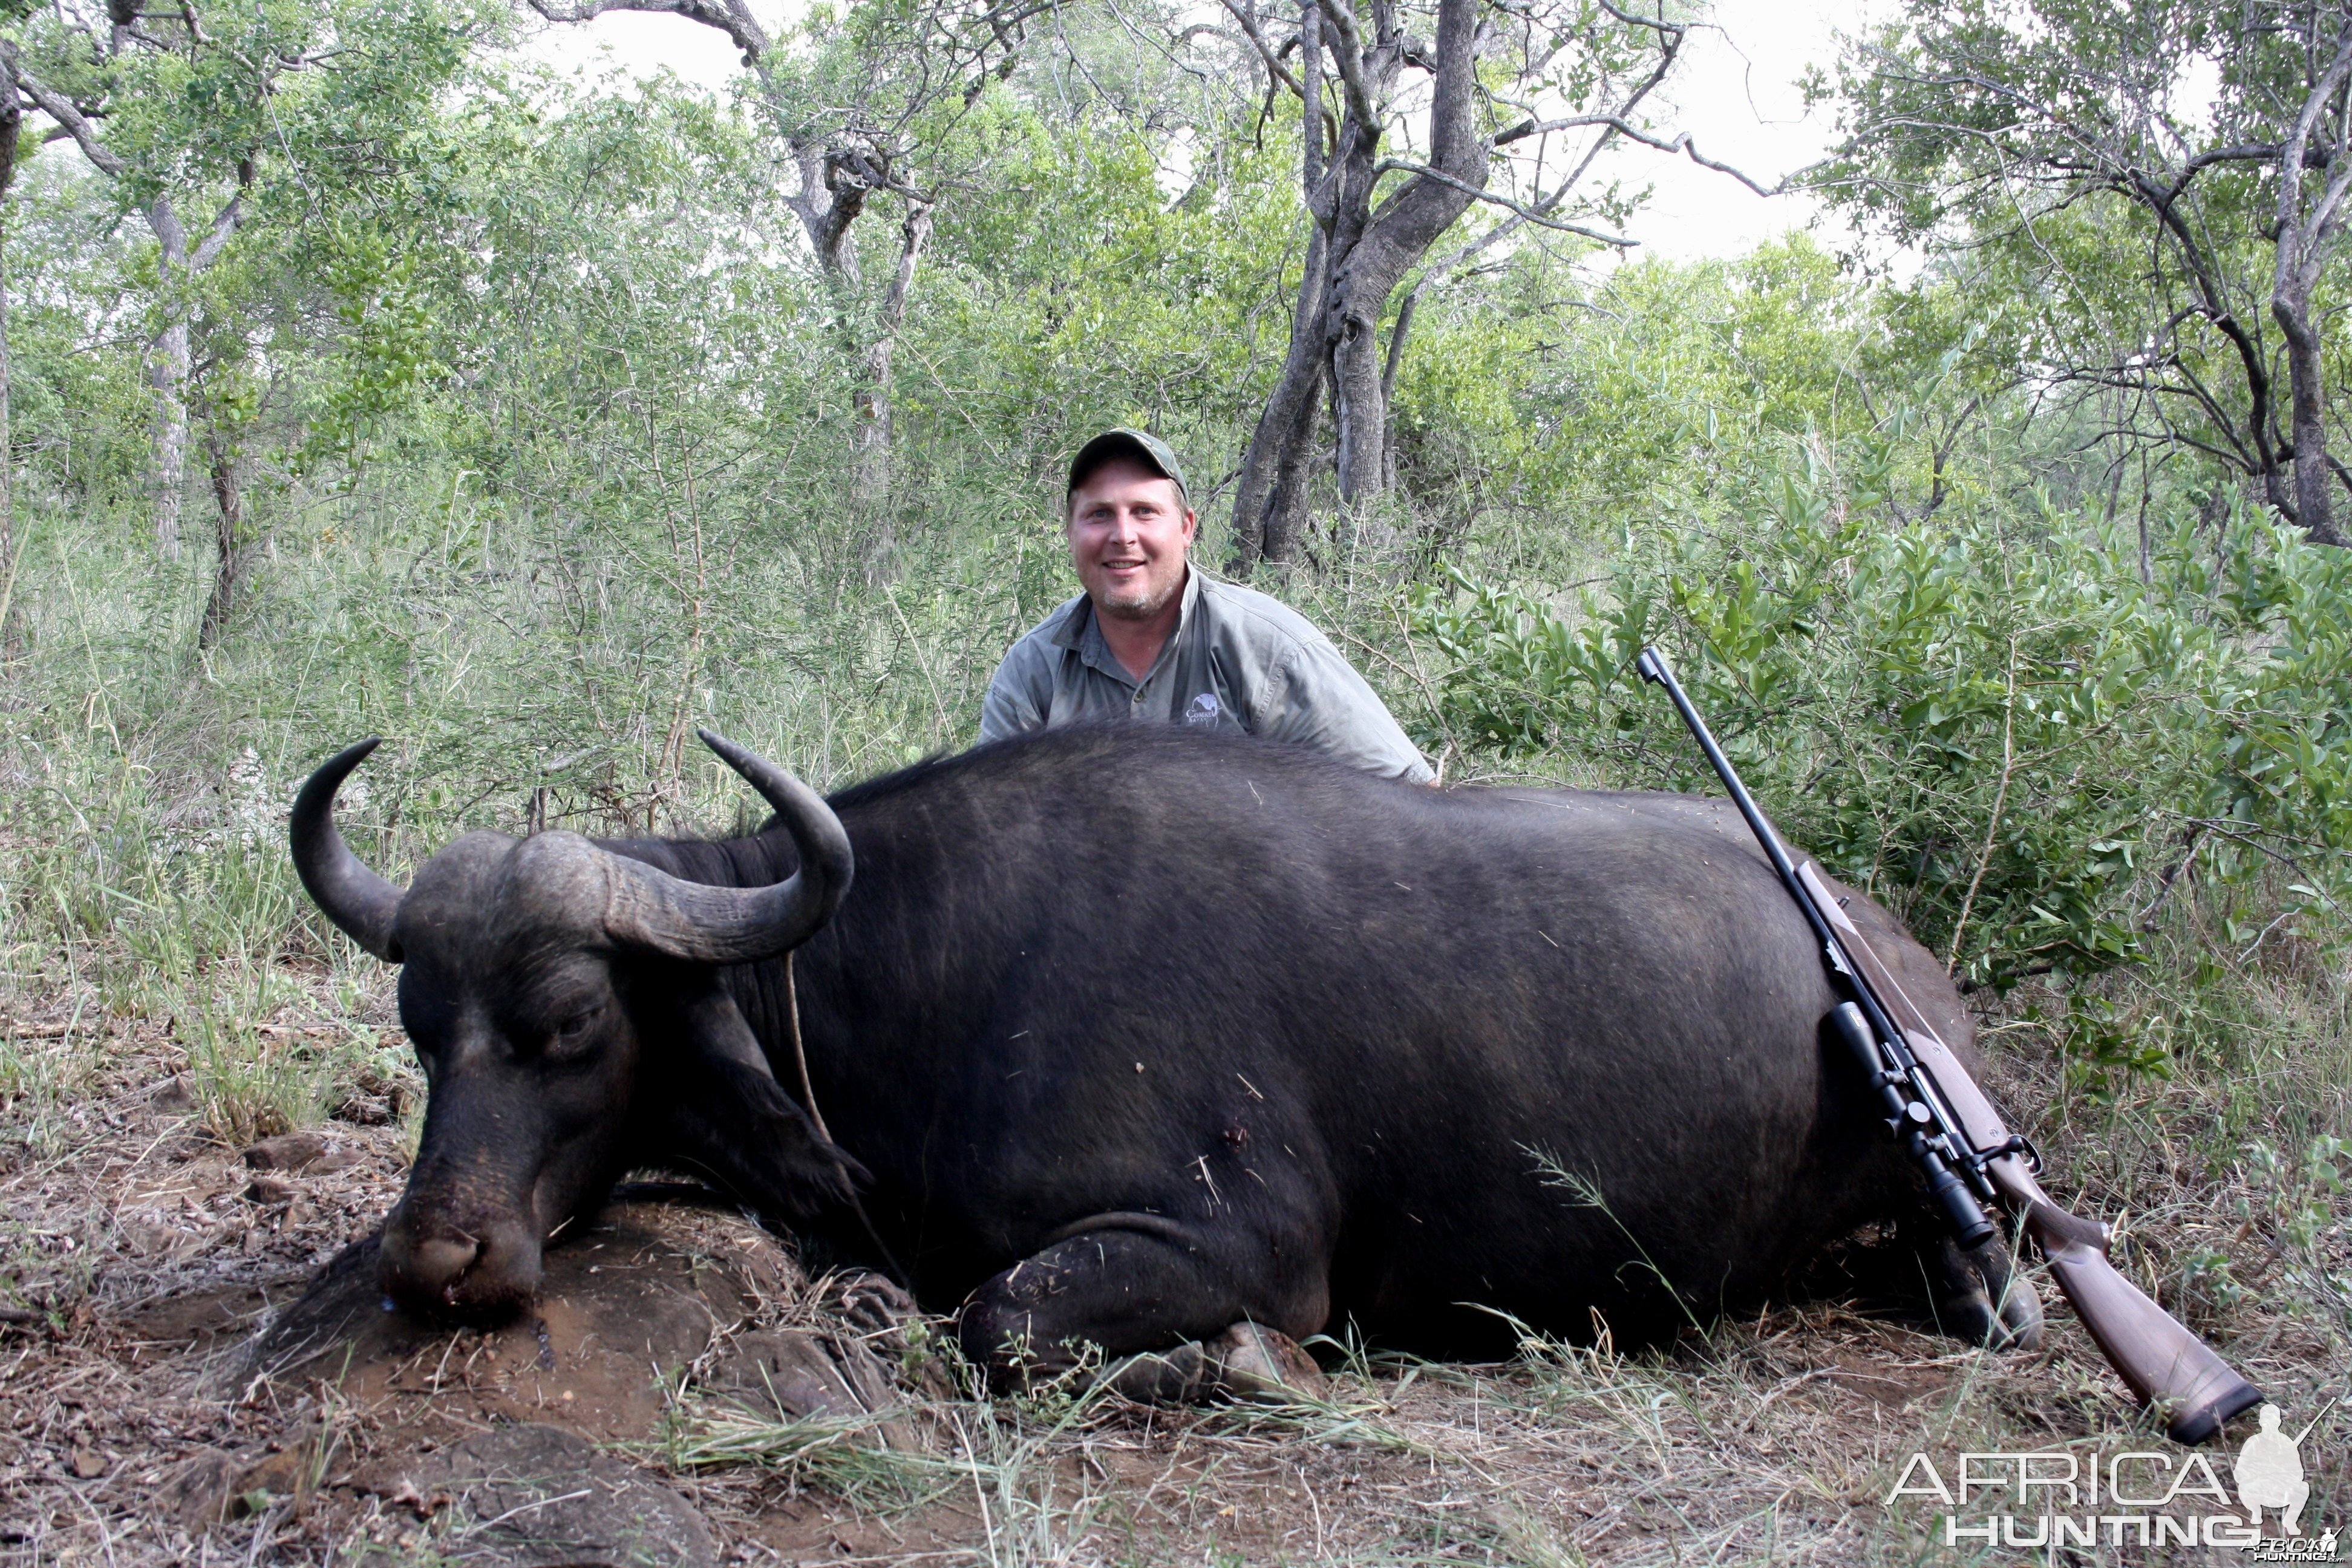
x=2171, y=878
x=920, y=662
x=2231, y=832
x=543, y=1502
x=2264, y=932
x=1999, y=803
x=1617, y=122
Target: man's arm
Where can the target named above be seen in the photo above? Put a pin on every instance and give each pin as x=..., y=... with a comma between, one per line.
x=1318, y=699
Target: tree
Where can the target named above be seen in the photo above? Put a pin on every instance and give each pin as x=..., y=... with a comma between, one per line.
x=1542, y=88
x=859, y=109
x=12, y=122
x=315, y=332
x=276, y=107
x=166, y=166
x=2169, y=235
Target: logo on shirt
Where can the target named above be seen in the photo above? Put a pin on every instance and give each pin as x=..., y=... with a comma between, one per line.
x=1204, y=709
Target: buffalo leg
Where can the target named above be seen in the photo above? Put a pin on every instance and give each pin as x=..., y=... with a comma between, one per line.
x=1147, y=1302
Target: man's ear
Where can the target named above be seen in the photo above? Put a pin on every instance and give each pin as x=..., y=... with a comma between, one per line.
x=723, y=1113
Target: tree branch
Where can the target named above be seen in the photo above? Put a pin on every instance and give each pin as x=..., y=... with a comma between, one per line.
x=1257, y=41
x=1349, y=57
x=216, y=238
x=1530, y=215
x=734, y=20
x=1626, y=128
x=61, y=108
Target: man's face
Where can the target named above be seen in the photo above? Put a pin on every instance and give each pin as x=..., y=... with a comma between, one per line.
x=1129, y=530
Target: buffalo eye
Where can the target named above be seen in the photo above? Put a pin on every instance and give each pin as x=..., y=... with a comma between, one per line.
x=574, y=1029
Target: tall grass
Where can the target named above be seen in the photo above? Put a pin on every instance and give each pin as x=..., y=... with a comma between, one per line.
x=143, y=787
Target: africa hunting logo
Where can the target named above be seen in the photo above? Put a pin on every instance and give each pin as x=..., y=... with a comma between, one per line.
x=2055, y=1498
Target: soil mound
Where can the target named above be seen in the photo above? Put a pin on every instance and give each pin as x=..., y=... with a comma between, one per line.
x=515, y=1445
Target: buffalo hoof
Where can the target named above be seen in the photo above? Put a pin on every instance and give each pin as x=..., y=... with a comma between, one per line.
x=1982, y=1298
x=1246, y=1361
x=1252, y=1361
x=1179, y=1374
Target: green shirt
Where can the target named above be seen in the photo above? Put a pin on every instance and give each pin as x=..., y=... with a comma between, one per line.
x=1238, y=659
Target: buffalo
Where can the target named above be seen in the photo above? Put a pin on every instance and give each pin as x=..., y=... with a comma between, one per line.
x=1124, y=1037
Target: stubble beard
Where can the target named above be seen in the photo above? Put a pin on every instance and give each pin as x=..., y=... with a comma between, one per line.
x=1136, y=606
x=1139, y=605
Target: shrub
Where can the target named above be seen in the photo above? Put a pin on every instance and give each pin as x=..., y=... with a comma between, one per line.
x=1993, y=725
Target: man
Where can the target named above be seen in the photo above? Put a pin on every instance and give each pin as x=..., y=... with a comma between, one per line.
x=1155, y=637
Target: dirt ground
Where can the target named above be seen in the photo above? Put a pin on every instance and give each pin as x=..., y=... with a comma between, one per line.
x=167, y=1395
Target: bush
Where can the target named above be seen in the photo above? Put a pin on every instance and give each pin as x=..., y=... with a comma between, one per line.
x=1993, y=725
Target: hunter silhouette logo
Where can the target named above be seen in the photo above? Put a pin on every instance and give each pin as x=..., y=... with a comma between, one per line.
x=2045, y=1499
x=2269, y=1473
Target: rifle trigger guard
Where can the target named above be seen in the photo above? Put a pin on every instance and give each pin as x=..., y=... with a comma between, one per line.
x=2018, y=1144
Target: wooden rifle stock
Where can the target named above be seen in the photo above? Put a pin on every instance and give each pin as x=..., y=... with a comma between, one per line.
x=2168, y=1367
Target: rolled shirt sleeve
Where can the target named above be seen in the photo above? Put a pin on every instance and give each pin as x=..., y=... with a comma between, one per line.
x=1318, y=699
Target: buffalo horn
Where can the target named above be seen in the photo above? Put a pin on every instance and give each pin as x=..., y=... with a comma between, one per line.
x=352, y=896
x=705, y=924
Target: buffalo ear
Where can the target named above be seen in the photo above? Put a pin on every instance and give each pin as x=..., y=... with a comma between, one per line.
x=715, y=1029
x=725, y=1113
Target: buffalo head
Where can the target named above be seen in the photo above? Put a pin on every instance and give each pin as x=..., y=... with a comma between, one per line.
x=564, y=1000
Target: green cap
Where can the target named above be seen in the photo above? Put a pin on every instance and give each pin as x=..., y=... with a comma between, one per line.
x=1140, y=445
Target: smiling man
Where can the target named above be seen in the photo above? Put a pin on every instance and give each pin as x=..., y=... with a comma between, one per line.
x=1153, y=636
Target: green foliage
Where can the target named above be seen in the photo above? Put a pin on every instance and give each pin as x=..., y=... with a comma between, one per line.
x=391, y=333
x=2107, y=179
x=1980, y=721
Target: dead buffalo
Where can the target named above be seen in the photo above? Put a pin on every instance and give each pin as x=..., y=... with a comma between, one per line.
x=1130, y=1035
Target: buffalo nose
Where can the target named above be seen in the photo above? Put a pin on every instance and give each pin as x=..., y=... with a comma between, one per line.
x=438, y=1262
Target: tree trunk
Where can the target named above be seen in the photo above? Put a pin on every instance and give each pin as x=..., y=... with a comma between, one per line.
x=167, y=374
x=229, y=563
x=2314, y=485
x=12, y=120
x=1398, y=336
x=12, y=643
x=1358, y=406
x=2304, y=239
x=1285, y=509
x=1367, y=271
x=834, y=188
x=1274, y=470
x=871, y=442
x=1363, y=253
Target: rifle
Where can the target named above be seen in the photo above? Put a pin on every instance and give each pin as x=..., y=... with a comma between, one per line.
x=1954, y=1134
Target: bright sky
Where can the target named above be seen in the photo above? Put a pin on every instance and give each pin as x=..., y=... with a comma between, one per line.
x=1736, y=96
